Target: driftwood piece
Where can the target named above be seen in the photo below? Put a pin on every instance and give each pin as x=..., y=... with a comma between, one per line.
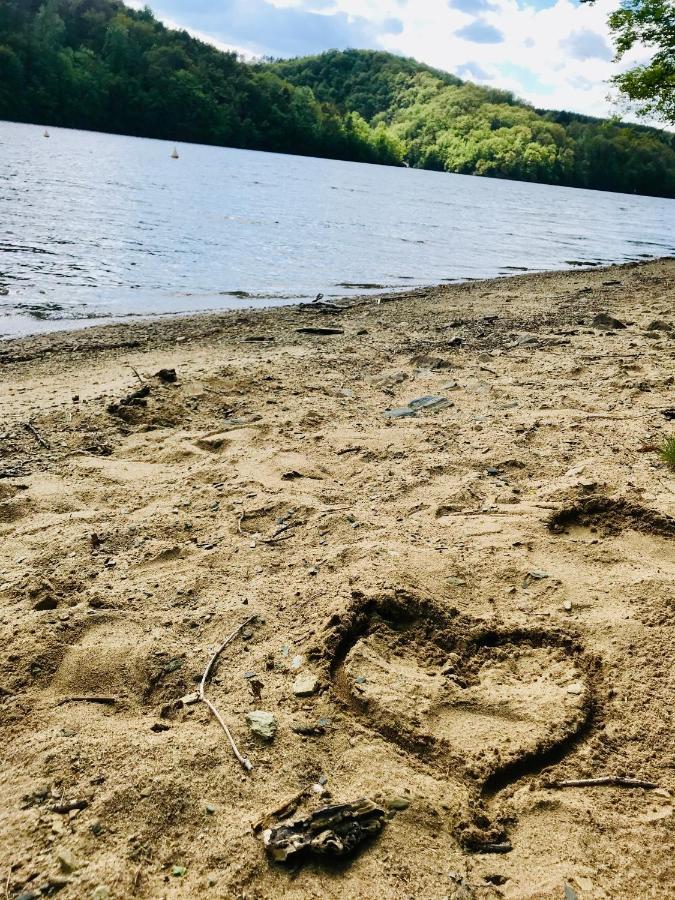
x=282, y=810
x=330, y=831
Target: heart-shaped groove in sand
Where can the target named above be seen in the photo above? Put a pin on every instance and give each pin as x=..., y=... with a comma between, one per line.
x=488, y=703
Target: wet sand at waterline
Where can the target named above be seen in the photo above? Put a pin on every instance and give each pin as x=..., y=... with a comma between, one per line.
x=476, y=592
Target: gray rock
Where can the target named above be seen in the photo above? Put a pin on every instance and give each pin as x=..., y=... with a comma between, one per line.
x=607, y=322
x=262, y=724
x=429, y=403
x=659, y=325
x=397, y=803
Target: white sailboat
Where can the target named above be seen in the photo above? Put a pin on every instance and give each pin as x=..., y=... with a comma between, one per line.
x=175, y=155
x=46, y=133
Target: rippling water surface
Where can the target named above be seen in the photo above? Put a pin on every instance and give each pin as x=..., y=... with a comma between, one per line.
x=98, y=226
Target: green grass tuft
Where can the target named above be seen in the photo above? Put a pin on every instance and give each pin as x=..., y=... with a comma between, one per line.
x=668, y=452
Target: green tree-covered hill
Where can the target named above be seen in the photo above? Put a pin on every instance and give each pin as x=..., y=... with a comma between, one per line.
x=99, y=65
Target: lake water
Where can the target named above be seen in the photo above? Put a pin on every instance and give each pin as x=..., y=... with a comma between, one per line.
x=97, y=227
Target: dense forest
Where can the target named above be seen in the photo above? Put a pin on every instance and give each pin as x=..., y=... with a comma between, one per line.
x=99, y=65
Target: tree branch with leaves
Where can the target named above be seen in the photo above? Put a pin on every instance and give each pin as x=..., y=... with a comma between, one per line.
x=650, y=24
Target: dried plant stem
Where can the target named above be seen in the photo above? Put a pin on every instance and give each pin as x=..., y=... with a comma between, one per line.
x=202, y=685
x=36, y=434
x=607, y=781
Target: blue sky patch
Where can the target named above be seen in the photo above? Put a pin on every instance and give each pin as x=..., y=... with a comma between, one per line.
x=480, y=32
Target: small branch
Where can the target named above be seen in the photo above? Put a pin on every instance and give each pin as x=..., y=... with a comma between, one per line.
x=202, y=685
x=36, y=434
x=606, y=781
x=282, y=530
x=106, y=701
x=135, y=371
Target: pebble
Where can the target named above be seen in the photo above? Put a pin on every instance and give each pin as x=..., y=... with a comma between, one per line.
x=296, y=662
x=263, y=724
x=66, y=861
x=178, y=871
x=397, y=802
x=607, y=322
x=575, y=688
x=210, y=809
x=46, y=603
x=247, y=633
x=101, y=892
x=305, y=685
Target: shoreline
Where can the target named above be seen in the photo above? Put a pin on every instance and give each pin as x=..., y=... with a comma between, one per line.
x=450, y=511
x=149, y=331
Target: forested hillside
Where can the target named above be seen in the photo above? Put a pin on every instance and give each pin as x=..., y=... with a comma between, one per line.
x=97, y=64
x=443, y=123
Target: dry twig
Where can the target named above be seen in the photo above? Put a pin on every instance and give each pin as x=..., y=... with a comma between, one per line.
x=135, y=371
x=606, y=781
x=106, y=701
x=202, y=685
x=36, y=434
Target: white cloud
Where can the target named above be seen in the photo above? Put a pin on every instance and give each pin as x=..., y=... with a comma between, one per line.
x=557, y=56
x=554, y=53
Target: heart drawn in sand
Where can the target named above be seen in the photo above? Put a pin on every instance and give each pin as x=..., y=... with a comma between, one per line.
x=487, y=703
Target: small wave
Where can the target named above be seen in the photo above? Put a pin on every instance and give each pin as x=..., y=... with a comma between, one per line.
x=16, y=248
x=362, y=285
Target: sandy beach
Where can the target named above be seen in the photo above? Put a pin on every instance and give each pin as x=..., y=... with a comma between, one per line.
x=449, y=517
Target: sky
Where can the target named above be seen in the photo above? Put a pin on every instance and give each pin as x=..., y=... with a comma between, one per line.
x=555, y=54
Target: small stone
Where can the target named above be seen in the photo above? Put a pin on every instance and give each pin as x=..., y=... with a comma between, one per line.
x=659, y=325
x=101, y=892
x=575, y=688
x=96, y=827
x=210, y=809
x=297, y=661
x=567, y=606
x=46, y=603
x=607, y=322
x=263, y=724
x=247, y=633
x=361, y=679
x=167, y=376
x=178, y=871
x=173, y=665
x=305, y=685
x=66, y=861
x=307, y=729
x=397, y=803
